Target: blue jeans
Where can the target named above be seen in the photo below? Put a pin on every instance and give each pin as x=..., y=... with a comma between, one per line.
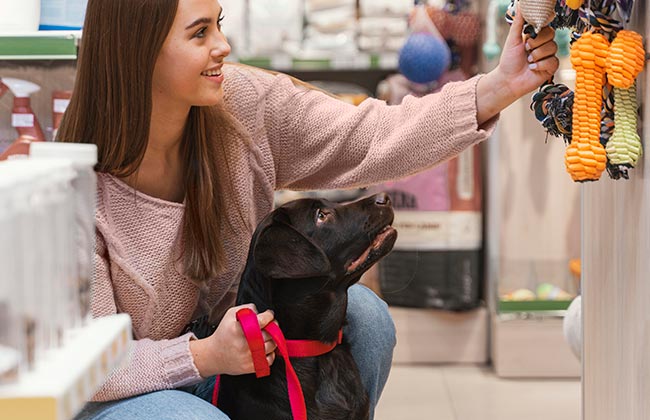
x=370, y=332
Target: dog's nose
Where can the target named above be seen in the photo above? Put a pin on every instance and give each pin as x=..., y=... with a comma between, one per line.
x=382, y=199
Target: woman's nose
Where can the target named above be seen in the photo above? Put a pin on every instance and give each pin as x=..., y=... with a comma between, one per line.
x=221, y=47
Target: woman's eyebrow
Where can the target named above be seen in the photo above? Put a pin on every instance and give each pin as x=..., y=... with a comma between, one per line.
x=199, y=21
x=202, y=20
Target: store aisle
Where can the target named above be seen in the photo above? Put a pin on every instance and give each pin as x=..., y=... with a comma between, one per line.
x=474, y=393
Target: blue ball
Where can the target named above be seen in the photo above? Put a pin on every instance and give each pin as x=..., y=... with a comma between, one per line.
x=424, y=58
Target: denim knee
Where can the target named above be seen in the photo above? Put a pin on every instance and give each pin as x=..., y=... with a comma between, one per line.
x=369, y=318
x=371, y=335
x=168, y=405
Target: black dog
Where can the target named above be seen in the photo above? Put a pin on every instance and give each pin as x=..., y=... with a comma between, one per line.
x=303, y=258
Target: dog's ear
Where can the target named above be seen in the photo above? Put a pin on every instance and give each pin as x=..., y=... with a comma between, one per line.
x=281, y=252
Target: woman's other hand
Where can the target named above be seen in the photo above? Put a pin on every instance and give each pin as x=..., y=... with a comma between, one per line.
x=226, y=350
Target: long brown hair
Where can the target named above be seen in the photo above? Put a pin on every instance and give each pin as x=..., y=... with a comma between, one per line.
x=111, y=107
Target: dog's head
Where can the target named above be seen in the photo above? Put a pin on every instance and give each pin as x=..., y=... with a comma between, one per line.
x=311, y=248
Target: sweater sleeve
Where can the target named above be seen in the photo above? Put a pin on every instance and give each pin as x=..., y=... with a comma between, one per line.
x=319, y=142
x=151, y=365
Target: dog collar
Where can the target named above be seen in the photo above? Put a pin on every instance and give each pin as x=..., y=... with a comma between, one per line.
x=287, y=349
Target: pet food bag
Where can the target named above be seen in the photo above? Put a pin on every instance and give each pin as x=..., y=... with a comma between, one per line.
x=436, y=261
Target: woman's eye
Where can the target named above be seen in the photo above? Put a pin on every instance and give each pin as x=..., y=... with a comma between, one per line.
x=221, y=18
x=201, y=32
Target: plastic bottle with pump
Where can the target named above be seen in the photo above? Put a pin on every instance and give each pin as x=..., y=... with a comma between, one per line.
x=23, y=118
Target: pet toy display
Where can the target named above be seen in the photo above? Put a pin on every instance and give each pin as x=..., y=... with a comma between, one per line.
x=599, y=120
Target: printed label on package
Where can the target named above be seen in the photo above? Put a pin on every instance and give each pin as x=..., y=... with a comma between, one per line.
x=60, y=105
x=22, y=120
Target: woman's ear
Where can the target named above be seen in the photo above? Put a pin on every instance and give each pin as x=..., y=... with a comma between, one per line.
x=282, y=252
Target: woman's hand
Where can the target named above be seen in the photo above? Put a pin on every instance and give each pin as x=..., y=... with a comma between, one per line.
x=226, y=350
x=524, y=65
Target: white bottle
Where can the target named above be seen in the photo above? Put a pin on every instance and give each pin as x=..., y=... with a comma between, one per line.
x=18, y=16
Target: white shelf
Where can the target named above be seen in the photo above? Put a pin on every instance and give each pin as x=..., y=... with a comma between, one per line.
x=61, y=384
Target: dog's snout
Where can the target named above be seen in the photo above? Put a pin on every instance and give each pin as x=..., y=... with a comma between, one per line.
x=382, y=199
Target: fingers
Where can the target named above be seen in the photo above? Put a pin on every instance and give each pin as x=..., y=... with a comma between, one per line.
x=546, y=35
x=548, y=65
x=546, y=50
x=265, y=318
x=270, y=358
x=514, y=34
x=269, y=344
x=518, y=22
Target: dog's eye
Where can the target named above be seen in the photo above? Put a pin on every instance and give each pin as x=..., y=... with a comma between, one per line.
x=321, y=216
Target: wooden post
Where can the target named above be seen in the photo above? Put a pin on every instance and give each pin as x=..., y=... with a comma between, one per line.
x=616, y=284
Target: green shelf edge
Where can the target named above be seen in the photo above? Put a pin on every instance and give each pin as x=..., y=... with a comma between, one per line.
x=64, y=46
x=316, y=64
x=533, y=306
x=262, y=62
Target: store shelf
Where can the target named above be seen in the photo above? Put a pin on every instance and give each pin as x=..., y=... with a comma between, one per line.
x=60, y=384
x=533, y=306
x=41, y=45
x=62, y=45
x=361, y=61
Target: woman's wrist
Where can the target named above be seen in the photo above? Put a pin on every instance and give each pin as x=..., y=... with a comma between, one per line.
x=494, y=93
x=202, y=360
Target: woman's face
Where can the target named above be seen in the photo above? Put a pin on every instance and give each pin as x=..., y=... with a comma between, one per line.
x=188, y=68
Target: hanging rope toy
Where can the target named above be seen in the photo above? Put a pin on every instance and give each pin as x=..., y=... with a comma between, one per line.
x=585, y=157
x=626, y=59
x=539, y=13
x=552, y=105
x=624, y=147
x=574, y=4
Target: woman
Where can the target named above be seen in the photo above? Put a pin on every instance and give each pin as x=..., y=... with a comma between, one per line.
x=190, y=153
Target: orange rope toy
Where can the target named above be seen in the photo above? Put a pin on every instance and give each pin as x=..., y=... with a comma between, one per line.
x=585, y=157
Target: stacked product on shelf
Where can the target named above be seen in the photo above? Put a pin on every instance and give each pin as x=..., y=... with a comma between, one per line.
x=383, y=25
x=62, y=14
x=234, y=25
x=331, y=27
x=19, y=16
x=23, y=118
x=274, y=27
x=53, y=357
x=37, y=298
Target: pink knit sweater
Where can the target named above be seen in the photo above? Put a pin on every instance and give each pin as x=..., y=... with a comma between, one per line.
x=301, y=140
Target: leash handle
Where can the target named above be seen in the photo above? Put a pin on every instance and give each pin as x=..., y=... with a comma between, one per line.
x=251, y=327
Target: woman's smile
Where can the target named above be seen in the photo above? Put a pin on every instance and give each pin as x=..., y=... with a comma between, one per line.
x=215, y=75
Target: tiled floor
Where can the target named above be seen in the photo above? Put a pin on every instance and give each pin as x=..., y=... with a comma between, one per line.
x=452, y=392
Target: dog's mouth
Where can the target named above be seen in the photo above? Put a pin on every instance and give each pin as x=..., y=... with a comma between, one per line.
x=379, y=247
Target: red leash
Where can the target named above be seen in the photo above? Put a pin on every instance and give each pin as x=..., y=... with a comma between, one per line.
x=287, y=349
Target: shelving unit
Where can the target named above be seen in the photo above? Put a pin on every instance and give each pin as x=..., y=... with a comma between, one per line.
x=41, y=45
x=63, y=45
x=68, y=377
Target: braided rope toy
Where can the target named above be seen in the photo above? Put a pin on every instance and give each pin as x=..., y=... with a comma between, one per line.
x=624, y=147
x=585, y=157
x=539, y=13
x=626, y=59
x=574, y=4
